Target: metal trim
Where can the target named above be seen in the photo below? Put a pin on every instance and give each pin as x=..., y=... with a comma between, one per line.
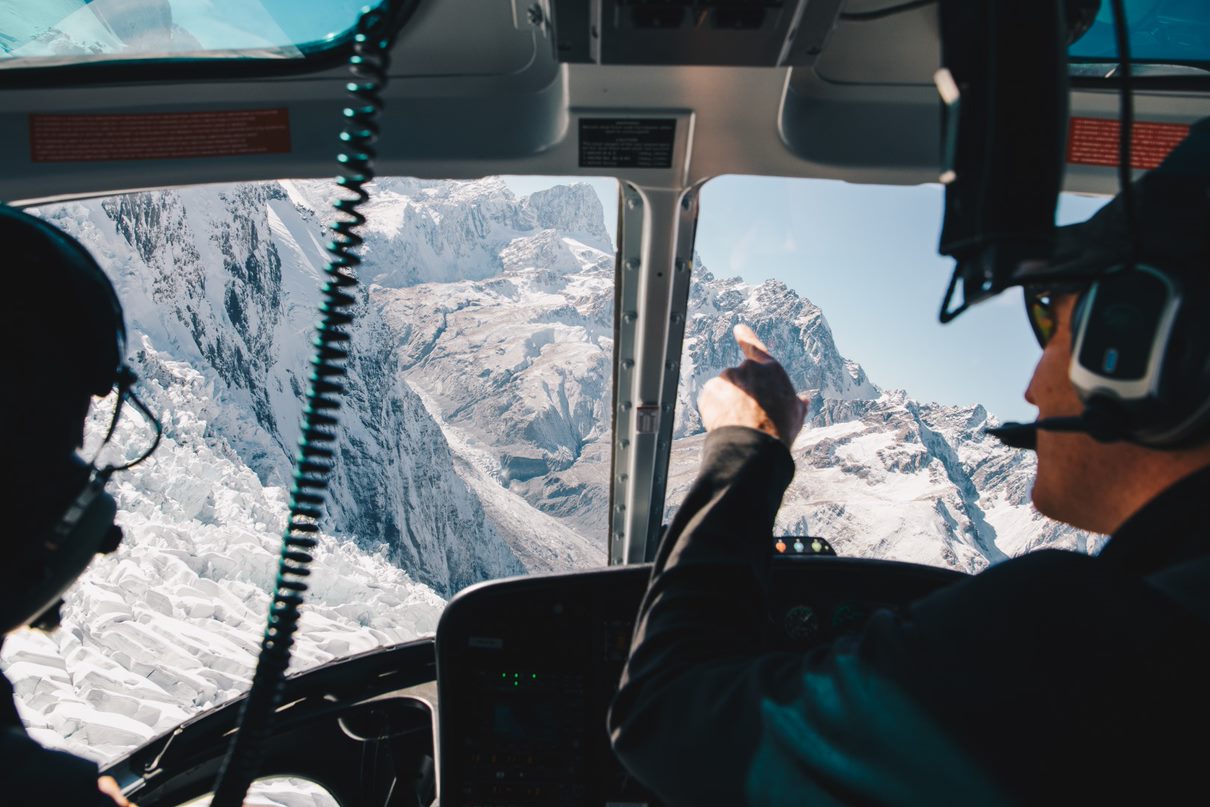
x=653, y=300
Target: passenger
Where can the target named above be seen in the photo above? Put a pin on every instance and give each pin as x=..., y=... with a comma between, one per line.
x=1052, y=678
x=64, y=342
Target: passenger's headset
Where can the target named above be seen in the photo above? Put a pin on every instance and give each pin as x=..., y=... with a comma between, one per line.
x=1141, y=330
x=1141, y=358
x=54, y=559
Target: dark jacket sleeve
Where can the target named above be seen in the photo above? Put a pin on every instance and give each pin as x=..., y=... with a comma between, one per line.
x=704, y=716
x=31, y=774
x=1052, y=678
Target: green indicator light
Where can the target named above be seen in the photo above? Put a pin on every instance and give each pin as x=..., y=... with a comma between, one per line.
x=516, y=683
x=504, y=675
x=533, y=675
x=516, y=675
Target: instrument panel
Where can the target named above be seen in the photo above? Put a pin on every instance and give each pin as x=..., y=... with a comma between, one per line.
x=526, y=669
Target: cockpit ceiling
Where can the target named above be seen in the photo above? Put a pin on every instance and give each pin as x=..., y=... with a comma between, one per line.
x=478, y=89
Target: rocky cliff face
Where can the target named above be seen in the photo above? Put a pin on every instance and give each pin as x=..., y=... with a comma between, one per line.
x=226, y=279
x=570, y=210
x=794, y=329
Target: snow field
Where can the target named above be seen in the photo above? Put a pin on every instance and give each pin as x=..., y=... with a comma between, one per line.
x=171, y=623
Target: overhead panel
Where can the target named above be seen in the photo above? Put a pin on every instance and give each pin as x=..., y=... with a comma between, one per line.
x=740, y=33
x=866, y=110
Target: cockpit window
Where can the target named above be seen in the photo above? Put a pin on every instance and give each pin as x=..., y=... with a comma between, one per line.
x=42, y=33
x=474, y=435
x=1165, y=35
x=843, y=282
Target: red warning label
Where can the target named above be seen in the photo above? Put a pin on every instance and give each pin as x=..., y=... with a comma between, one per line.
x=1094, y=141
x=158, y=136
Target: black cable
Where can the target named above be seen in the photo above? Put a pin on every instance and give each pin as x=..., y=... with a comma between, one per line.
x=125, y=381
x=887, y=11
x=1126, y=127
x=316, y=453
x=155, y=424
x=124, y=387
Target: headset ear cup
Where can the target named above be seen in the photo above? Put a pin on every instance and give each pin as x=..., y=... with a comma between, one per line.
x=1140, y=356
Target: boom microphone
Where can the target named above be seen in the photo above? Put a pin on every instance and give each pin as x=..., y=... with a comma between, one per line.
x=1025, y=435
x=1097, y=422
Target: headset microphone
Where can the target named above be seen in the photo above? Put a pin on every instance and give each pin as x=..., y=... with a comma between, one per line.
x=1022, y=435
x=1025, y=435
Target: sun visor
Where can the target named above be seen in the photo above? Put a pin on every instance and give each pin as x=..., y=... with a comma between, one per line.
x=1004, y=87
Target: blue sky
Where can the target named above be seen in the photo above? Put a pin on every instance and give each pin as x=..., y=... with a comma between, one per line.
x=867, y=255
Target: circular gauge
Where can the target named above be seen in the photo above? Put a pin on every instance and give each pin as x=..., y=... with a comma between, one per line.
x=801, y=622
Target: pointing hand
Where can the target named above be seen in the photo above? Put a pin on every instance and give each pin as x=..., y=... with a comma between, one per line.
x=757, y=394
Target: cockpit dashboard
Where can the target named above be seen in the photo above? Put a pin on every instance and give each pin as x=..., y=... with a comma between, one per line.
x=524, y=671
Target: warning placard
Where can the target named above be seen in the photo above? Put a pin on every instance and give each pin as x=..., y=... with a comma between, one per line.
x=158, y=136
x=627, y=142
x=1094, y=141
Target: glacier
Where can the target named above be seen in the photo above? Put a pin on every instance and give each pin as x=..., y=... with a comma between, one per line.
x=475, y=436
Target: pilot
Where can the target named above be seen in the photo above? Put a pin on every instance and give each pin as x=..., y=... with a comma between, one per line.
x=64, y=343
x=1052, y=678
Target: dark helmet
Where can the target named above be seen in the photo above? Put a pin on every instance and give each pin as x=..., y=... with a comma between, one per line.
x=64, y=336
x=64, y=340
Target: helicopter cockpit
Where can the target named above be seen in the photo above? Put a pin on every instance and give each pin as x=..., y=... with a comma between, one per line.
x=541, y=201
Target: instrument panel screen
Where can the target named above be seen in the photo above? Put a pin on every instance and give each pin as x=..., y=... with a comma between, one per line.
x=527, y=668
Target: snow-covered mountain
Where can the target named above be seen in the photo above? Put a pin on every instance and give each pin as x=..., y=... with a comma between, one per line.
x=226, y=279
x=475, y=438
x=893, y=478
x=879, y=474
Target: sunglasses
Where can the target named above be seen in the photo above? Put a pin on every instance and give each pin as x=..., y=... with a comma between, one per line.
x=1040, y=308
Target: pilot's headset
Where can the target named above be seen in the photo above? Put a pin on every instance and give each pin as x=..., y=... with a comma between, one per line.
x=64, y=342
x=1141, y=328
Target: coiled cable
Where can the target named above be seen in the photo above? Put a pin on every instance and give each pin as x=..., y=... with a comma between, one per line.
x=1121, y=33
x=316, y=446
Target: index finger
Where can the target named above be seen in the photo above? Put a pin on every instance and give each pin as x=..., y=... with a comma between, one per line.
x=751, y=346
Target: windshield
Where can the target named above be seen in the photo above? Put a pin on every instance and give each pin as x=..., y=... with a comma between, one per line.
x=474, y=435
x=1162, y=32
x=37, y=33
x=843, y=283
